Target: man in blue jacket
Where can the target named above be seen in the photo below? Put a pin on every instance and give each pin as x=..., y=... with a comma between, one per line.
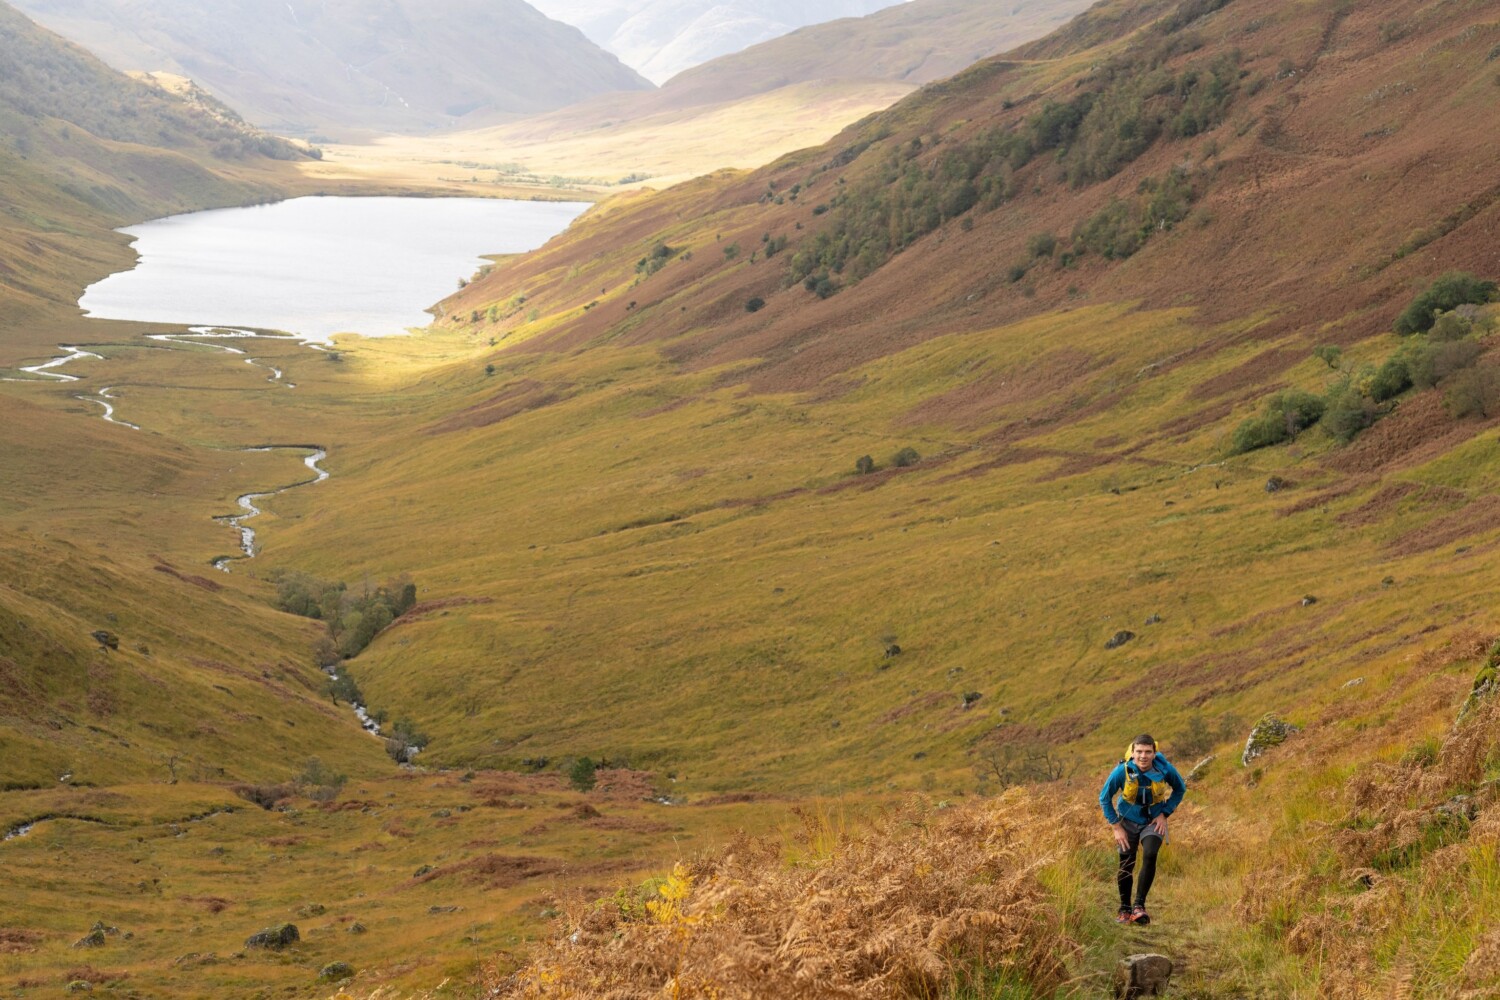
x=1137, y=797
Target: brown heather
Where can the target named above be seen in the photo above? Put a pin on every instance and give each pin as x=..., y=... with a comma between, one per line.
x=908, y=907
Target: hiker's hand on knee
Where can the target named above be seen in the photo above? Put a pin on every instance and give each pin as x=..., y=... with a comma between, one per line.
x=1159, y=826
x=1121, y=839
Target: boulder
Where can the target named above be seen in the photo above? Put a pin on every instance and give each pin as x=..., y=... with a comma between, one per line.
x=1276, y=484
x=93, y=939
x=1119, y=639
x=80, y=986
x=970, y=697
x=334, y=971
x=1461, y=807
x=356, y=928
x=1201, y=768
x=1309, y=600
x=1268, y=732
x=1154, y=620
x=892, y=650
x=106, y=639
x=274, y=938
x=1142, y=976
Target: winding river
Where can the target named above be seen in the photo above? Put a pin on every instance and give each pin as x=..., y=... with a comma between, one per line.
x=207, y=336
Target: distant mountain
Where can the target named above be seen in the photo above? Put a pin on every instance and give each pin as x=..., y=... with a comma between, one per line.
x=915, y=43
x=388, y=65
x=661, y=38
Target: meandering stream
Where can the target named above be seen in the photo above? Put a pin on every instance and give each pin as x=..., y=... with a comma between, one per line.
x=246, y=501
x=207, y=336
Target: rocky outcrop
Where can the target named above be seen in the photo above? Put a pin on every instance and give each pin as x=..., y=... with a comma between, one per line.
x=1268, y=732
x=274, y=938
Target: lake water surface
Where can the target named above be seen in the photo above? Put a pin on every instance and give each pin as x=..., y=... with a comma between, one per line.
x=320, y=265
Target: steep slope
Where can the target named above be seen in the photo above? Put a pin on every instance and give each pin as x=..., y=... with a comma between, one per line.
x=397, y=65
x=661, y=38
x=1062, y=282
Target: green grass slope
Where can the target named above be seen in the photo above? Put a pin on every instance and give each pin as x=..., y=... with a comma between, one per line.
x=652, y=496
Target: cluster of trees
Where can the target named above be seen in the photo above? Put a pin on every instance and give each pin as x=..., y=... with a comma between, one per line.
x=353, y=618
x=1443, y=349
x=907, y=456
x=655, y=260
x=1132, y=101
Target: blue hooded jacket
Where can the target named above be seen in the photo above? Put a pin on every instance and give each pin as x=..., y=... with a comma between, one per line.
x=1115, y=808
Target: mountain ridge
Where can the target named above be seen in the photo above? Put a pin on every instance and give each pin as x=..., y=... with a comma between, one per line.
x=397, y=66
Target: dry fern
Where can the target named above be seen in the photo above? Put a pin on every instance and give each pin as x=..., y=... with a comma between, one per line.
x=897, y=910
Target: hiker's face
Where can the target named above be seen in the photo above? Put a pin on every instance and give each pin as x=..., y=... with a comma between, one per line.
x=1144, y=754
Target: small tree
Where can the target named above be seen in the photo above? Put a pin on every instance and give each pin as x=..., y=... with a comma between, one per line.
x=905, y=457
x=582, y=774
x=1329, y=354
x=864, y=465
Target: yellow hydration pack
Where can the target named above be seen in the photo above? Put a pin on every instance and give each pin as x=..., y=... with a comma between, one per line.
x=1160, y=790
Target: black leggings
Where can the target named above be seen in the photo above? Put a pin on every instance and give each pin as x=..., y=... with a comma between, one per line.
x=1148, y=845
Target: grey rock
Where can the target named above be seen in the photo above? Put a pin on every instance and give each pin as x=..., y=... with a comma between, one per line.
x=1276, y=484
x=106, y=639
x=1354, y=682
x=1201, y=768
x=892, y=650
x=80, y=986
x=1459, y=807
x=357, y=928
x=424, y=870
x=274, y=938
x=1154, y=620
x=1309, y=600
x=1142, y=976
x=435, y=910
x=1119, y=639
x=970, y=697
x=1268, y=732
x=334, y=971
x=93, y=939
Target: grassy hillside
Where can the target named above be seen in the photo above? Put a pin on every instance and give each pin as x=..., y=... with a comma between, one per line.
x=719, y=537
x=845, y=477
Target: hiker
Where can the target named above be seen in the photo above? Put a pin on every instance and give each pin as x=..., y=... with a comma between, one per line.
x=1137, y=797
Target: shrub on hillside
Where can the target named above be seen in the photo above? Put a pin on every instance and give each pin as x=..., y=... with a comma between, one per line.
x=864, y=465
x=1474, y=392
x=1450, y=291
x=1285, y=415
x=582, y=774
x=755, y=304
x=1391, y=379
x=1346, y=411
x=404, y=740
x=907, y=456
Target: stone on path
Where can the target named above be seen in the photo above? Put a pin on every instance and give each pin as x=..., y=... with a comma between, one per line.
x=1142, y=976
